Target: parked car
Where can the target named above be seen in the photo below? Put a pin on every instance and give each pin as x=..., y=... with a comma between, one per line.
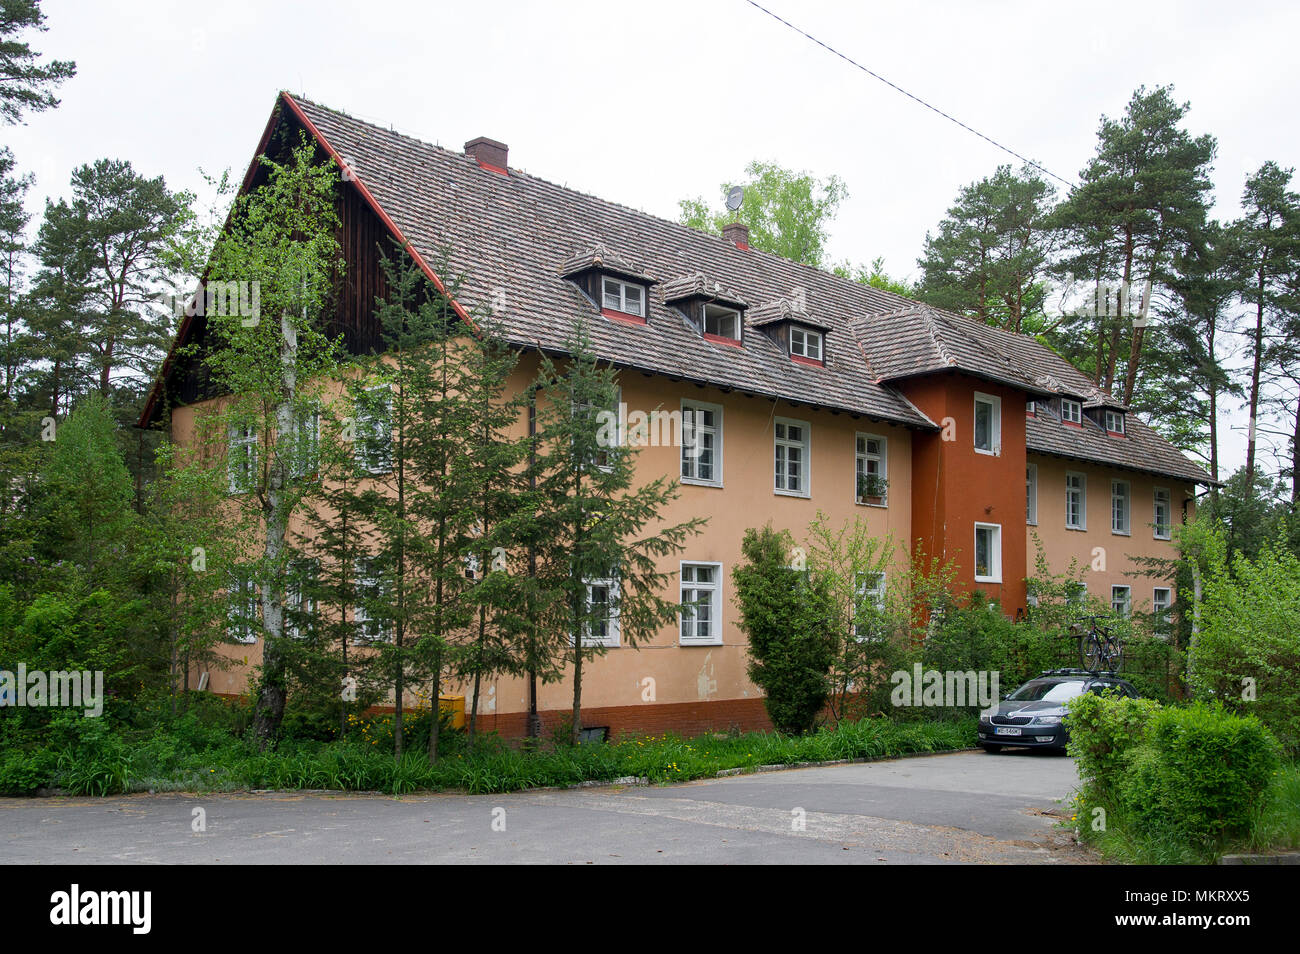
x=1031, y=717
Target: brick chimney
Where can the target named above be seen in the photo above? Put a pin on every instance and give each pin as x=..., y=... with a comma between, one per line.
x=737, y=233
x=489, y=154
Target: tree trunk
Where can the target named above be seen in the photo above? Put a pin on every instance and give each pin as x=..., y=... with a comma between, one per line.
x=1254, y=387
x=271, y=699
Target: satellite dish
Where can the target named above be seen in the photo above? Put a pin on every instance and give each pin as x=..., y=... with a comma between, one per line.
x=735, y=196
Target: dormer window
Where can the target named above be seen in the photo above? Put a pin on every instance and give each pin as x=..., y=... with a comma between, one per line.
x=1115, y=422
x=806, y=343
x=623, y=297
x=1071, y=411
x=721, y=321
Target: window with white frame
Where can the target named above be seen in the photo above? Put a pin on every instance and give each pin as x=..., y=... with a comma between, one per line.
x=304, y=444
x=601, y=628
x=1076, y=501
x=988, y=553
x=374, y=429
x=241, y=607
x=791, y=457
x=1162, y=508
x=805, y=342
x=299, y=601
x=1031, y=407
x=721, y=321
x=617, y=295
x=872, y=466
x=988, y=424
x=371, y=595
x=869, y=607
x=701, y=603
x=241, y=459
x=1119, y=506
x=1031, y=494
x=1071, y=411
x=1115, y=422
x=1121, y=600
x=701, y=443
x=1075, y=592
x=1162, y=597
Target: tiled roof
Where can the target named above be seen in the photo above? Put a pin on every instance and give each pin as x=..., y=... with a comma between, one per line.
x=783, y=309
x=596, y=255
x=696, y=285
x=1139, y=448
x=514, y=233
x=511, y=239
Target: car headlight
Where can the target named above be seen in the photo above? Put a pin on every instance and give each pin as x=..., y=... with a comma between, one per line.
x=1047, y=720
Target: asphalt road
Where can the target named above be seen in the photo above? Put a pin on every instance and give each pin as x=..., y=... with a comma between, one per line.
x=957, y=808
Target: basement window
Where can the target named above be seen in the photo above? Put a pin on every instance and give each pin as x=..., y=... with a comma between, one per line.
x=806, y=343
x=624, y=297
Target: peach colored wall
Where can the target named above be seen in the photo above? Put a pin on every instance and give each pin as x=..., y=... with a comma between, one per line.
x=688, y=674
x=1106, y=556
x=692, y=674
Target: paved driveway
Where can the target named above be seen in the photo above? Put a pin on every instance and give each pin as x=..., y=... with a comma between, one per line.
x=958, y=808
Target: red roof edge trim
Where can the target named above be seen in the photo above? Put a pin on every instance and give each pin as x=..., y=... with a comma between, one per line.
x=721, y=339
x=813, y=362
x=491, y=168
x=623, y=316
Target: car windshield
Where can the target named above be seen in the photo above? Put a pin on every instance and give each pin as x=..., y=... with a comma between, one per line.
x=1049, y=690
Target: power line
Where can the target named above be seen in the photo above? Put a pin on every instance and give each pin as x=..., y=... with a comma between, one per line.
x=895, y=86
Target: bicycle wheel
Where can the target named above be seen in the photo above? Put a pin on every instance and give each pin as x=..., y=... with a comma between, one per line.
x=1090, y=651
x=1114, y=651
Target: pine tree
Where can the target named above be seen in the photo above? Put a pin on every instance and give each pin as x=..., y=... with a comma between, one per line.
x=597, y=538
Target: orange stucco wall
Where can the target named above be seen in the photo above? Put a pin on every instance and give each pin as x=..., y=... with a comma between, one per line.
x=955, y=486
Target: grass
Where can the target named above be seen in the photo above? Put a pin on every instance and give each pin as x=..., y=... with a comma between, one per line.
x=166, y=761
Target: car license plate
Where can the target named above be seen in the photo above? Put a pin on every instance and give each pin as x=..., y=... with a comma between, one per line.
x=1007, y=730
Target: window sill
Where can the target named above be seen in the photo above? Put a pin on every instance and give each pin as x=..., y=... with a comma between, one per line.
x=988, y=579
x=698, y=642
x=1076, y=529
x=792, y=493
x=878, y=504
x=1120, y=533
x=696, y=482
x=989, y=453
x=1165, y=539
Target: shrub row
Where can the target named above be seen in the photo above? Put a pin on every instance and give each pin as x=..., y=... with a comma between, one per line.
x=1196, y=775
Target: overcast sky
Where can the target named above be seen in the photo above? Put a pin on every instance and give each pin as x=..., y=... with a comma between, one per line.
x=650, y=102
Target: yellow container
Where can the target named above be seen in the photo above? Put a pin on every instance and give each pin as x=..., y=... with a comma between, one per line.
x=455, y=707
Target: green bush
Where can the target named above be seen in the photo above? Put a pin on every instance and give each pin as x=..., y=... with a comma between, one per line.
x=22, y=773
x=1104, y=730
x=1248, y=652
x=1203, y=772
x=787, y=615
